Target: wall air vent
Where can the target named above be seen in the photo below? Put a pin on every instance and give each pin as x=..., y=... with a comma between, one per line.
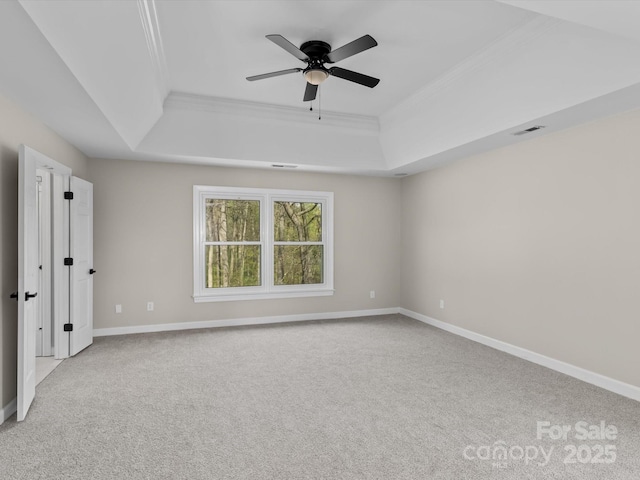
x=529, y=130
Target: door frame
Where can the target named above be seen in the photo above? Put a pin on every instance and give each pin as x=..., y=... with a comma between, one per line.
x=44, y=342
x=59, y=250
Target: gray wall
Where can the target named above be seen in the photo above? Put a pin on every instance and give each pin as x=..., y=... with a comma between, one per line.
x=537, y=245
x=16, y=127
x=143, y=242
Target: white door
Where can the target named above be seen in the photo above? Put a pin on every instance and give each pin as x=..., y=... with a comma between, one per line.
x=81, y=250
x=27, y=278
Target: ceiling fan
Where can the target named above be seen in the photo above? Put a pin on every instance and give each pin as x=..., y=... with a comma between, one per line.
x=315, y=54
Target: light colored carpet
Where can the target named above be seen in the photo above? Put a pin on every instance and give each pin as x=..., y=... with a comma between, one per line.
x=372, y=398
x=44, y=366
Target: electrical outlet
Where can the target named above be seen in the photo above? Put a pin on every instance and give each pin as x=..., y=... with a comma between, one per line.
x=372, y=294
x=118, y=308
x=442, y=304
x=149, y=306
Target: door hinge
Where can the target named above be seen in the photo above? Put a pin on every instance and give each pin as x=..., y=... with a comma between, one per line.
x=68, y=327
x=68, y=195
x=68, y=261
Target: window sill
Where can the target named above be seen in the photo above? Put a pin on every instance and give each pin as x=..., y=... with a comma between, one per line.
x=261, y=296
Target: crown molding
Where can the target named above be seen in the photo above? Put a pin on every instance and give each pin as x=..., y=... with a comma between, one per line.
x=151, y=27
x=366, y=125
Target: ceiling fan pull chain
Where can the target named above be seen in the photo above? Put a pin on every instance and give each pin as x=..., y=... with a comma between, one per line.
x=319, y=102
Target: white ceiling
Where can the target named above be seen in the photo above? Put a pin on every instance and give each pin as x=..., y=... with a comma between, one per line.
x=226, y=42
x=165, y=80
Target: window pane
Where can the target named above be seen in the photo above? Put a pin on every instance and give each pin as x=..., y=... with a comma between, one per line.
x=297, y=265
x=297, y=222
x=232, y=266
x=232, y=220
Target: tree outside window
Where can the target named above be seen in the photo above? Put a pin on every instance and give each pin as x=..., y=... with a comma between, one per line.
x=258, y=243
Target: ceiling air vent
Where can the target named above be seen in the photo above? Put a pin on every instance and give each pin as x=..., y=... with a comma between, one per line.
x=529, y=130
x=281, y=165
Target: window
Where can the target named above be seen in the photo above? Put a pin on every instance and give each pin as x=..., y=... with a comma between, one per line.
x=259, y=243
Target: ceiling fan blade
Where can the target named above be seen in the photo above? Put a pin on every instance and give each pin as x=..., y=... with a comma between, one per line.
x=310, y=92
x=356, y=77
x=273, y=74
x=288, y=46
x=360, y=45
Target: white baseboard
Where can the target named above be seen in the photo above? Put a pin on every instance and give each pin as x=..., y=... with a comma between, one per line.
x=8, y=410
x=616, y=386
x=166, y=327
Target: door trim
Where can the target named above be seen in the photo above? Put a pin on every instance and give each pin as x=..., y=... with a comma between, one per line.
x=61, y=274
x=45, y=312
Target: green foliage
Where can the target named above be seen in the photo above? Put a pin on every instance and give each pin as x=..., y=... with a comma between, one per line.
x=229, y=265
x=297, y=265
x=297, y=222
x=242, y=264
x=233, y=220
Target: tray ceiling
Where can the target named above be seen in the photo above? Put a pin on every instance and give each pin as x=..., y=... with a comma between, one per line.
x=165, y=80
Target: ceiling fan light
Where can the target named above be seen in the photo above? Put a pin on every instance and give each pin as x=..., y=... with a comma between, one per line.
x=316, y=76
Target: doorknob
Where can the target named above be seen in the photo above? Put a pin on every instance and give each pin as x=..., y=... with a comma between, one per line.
x=28, y=295
x=92, y=271
x=14, y=295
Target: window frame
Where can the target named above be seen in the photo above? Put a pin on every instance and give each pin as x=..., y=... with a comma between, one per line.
x=267, y=289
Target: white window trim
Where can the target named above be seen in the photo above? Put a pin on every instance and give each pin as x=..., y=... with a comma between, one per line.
x=267, y=290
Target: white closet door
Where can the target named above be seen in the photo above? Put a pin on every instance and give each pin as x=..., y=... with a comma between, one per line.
x=81, y=250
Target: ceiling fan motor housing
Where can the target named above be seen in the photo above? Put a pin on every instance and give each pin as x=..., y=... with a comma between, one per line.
x=315, y=73
x=315, y=49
